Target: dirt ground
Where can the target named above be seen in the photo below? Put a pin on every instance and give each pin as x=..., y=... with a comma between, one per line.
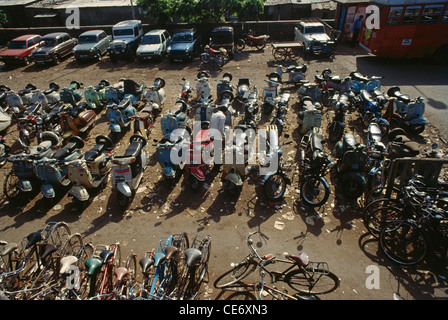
x=334, y=233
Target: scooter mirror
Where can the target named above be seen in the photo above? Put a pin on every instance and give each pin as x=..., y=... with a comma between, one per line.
x=155, y=140
x=286, y=135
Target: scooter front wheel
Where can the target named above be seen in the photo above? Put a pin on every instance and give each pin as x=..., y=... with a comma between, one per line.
x=275, y=187
x=194, y=183
x=123, y=201
x=205, y=58
x=417, y=128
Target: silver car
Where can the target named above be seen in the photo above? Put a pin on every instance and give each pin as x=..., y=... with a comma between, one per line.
x=154, y=44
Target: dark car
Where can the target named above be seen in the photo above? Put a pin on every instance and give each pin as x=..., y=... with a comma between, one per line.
x=53, y=48
x=185, y=44
x=20, y=48
x=92, y=45
x=223, y=37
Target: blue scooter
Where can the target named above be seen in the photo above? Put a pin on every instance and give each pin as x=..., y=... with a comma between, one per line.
x=175, y=119
x=171, y=170
x=360, y=82
x=52, y=169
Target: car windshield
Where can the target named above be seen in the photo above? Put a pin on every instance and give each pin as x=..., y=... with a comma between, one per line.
x=222, y=37
x=48, y=42
x=87, y=39
x=182, y=37
x=123, y=32
x=17, y=45
x=315, y=29
x=151, y=39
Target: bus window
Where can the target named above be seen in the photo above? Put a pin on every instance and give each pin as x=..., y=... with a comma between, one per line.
x=411, y=14
x=445, y=15
x=431, y=14
x=394, y=15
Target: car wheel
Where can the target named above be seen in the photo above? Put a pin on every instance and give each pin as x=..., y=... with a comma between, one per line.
x=26, y=60
x=57, y=59
x=98, y=56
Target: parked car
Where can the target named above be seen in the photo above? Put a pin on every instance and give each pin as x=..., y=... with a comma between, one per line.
x=314, y=38
x=223, y=37
x=126, y=39
x=54, y=47
x=92, y=45
x=20, y=48
x=185, y=44
x=154, y=44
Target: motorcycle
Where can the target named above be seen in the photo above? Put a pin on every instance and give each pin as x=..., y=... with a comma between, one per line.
x=171, y=171
x=4, y=151
x=351, y=163
x=336, y=128
x=235, y=172
x=404, y=112
x=20, y=179
x=200, y=158
x=370, y=109
x=271, y=92
x=128, y=169
x=92, y=171
x=310, y=117
x=52, y=169
x=360, y=82
x=296, y=74
x=252, y=41
x=378, y=162
x=71, y=94
x=218, y=56
x=120, y=116
x=95, y=96
x=243, y=89
x=281, y=108
x=335, y=82
x=155, y=96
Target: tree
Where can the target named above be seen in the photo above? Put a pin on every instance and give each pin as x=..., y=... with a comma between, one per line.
x=3, y=18
x=197, y=11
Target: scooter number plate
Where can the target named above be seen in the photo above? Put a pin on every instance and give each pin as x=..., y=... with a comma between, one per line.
x=123, y=174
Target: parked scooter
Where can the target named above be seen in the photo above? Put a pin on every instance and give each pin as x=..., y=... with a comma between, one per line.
x=235, y=172
x=271, y=92
x=175, y=119
x=281, y=108
x=72, y=94
x=370, y=110
x=200, y=158
x=404, y=112
x=95, y=96
x=171, y=171
x=4, y=151
x=360, y=82
x=92, y=171
x=296, y=74
x=20, y=179
x=350, y=167
x=378, y=162
x=310, y=117
x=74, y=122
x=224, y=85
x=336, y=128
x=203, y=89
x=335, y=82
x=52, y=169
x=128, y=169
x=155, y=96
x=185, y=94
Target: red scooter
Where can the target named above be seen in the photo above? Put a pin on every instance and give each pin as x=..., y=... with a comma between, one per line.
x=200, y=162
x=252, y=41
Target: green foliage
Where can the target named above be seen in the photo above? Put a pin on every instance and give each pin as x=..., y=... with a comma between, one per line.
x=166, y=11
x=3, y=18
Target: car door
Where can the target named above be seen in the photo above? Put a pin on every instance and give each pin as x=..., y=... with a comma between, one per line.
x=101, y=45
x=64, y=44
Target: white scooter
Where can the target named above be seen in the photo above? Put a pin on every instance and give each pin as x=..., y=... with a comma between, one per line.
x=128, y=169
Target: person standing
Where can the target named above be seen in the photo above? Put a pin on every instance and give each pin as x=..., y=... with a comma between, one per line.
x=356, y=29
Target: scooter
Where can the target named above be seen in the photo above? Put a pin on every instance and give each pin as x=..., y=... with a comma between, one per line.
x=95, y=96
x=203, y=89
x=92, y=171
x=243, y=89
x=336, y=128
x=4, y=151
x=224, y=85
x=128, y=169
x=115, y=93
x=311, y=115
x=335, y=82
x=71, y=94
x=360, y=82
x=236, y=171
x=155, y=96
x=171, y=171
x=296, y=74
x=404, y=112
x=271, y=92
x=175, y=119
x=200, y=158
x=73, y=123
x=281, y=108
x=185, y=94
x=312, y=90
x=20, y=180
x=52, y=169
x=378, y=161
x=370, y=110
x=352, y=161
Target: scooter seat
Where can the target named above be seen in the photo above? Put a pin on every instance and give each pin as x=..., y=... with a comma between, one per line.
x=65, y=151
x=366, y=96
x=359, y=77
x=93, y=153
x=134, y=149
x=132, y=87
x=349, y=140
x=316, y=142
x=126, y=102
x=319, y=78
x=395, y=92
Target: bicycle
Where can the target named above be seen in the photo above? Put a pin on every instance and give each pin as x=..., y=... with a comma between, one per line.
x=196, y=260
x=301, y=274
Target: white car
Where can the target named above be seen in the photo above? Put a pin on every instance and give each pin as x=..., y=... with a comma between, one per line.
x=314, y=38
x=154, y=44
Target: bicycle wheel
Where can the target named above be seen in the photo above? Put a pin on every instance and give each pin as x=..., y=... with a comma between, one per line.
x=378, y=217
x=231, y=277
x=10, y=186
x=199, y=277
x=314, y=191
x=268, y=293
x=58, y=236
x=131, y=278
x=309, y=281
x=404, y=242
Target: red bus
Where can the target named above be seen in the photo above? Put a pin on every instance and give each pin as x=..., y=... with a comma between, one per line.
x=411, y=29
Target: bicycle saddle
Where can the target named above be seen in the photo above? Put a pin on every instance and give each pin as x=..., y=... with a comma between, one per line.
x=8, y=248
x=93, y=264
x=302, y=258
x=121, y=272
x=158, y=257
x=66, y=262
x=49, y=249
x=145, y=263
x=106, y=255
x=33, y=238
x=170, y=251
x=193, y=256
